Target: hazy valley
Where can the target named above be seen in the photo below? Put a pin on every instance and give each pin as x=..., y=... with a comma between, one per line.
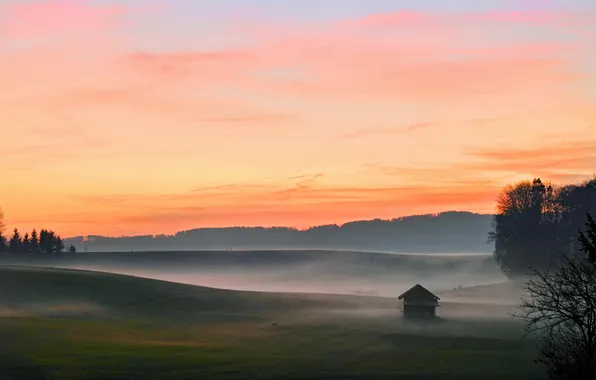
x=333, y=272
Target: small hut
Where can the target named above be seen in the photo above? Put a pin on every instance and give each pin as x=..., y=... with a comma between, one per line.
x=418, y=302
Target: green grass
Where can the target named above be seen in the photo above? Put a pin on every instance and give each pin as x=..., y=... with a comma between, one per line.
x=145, y=329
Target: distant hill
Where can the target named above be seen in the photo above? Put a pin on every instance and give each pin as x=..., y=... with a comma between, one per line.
x=447, y=232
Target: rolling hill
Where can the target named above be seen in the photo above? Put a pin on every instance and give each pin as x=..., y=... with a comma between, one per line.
x=74, y=324
x=311, y=271
x=45, y=291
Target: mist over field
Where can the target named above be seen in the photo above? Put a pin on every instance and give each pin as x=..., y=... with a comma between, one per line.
x=441, y=251
x=333, y=272
x=283, y=311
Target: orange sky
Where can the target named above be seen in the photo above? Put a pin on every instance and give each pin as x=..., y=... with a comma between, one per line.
x=116, y=119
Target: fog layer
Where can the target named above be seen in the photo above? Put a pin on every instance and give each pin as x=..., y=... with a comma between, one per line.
x=332, y=272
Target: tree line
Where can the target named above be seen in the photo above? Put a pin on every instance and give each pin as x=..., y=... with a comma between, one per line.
x=444, y=232
x=547, y=235
x=537, y=221
x=46, y=241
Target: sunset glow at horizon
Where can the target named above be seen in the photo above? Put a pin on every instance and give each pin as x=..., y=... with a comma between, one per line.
x=131, y=117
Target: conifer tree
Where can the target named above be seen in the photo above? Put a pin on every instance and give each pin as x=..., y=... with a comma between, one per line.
x=34, y=242
x=15, y=244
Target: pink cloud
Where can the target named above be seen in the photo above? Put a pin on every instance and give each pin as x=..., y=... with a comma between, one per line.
x=428, y=56
x=46, y=18
x=332, y=62
x=196, y=57
x=401, y=18
x=428, y=80
x=521, y=17
x=337, y=62
x=211, y=66
x=447, y=19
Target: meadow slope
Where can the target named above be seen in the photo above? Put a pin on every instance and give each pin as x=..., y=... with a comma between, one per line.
x=51, y=291
x=337, y=272
x=70, y=324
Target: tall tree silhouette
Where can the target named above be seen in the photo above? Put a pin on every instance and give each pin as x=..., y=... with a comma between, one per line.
x=50, y=242
x=57, y=243
x=15, y=244
x=26, y=244
x=3, y=244
x=44, y=241
x=587, y=240
x=576, y=201
x=34, y=243
x=524, y=228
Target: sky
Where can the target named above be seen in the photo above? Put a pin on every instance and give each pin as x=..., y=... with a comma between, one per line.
x=125, y=117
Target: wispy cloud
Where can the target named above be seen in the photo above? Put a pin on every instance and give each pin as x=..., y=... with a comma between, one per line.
x=169, y=68
x=248, y=119
x=446, y=60
x=307, y=176
x=53, y=151
x=387, y=131
x=489, y=166
x=35, y=19
x=433, y=80
x=438, y=175
x=420, y=126
x=543, y=153
x=558, y=162
x=423, y=19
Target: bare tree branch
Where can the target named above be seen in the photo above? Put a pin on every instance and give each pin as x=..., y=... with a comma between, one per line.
x=560, y=310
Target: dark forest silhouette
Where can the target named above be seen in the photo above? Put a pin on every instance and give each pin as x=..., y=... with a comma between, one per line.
x=46, y=241
x=537, y=222
x=445, y=232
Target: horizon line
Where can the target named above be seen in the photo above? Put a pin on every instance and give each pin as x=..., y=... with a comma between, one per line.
x=436, y=214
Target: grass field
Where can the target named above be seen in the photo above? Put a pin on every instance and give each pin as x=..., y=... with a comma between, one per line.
x=66, y=324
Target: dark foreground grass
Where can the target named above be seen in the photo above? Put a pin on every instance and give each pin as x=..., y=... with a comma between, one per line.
x=82, y=325
x=42, y=348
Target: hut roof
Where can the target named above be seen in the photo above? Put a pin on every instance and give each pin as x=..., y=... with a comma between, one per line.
x=420, y=291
